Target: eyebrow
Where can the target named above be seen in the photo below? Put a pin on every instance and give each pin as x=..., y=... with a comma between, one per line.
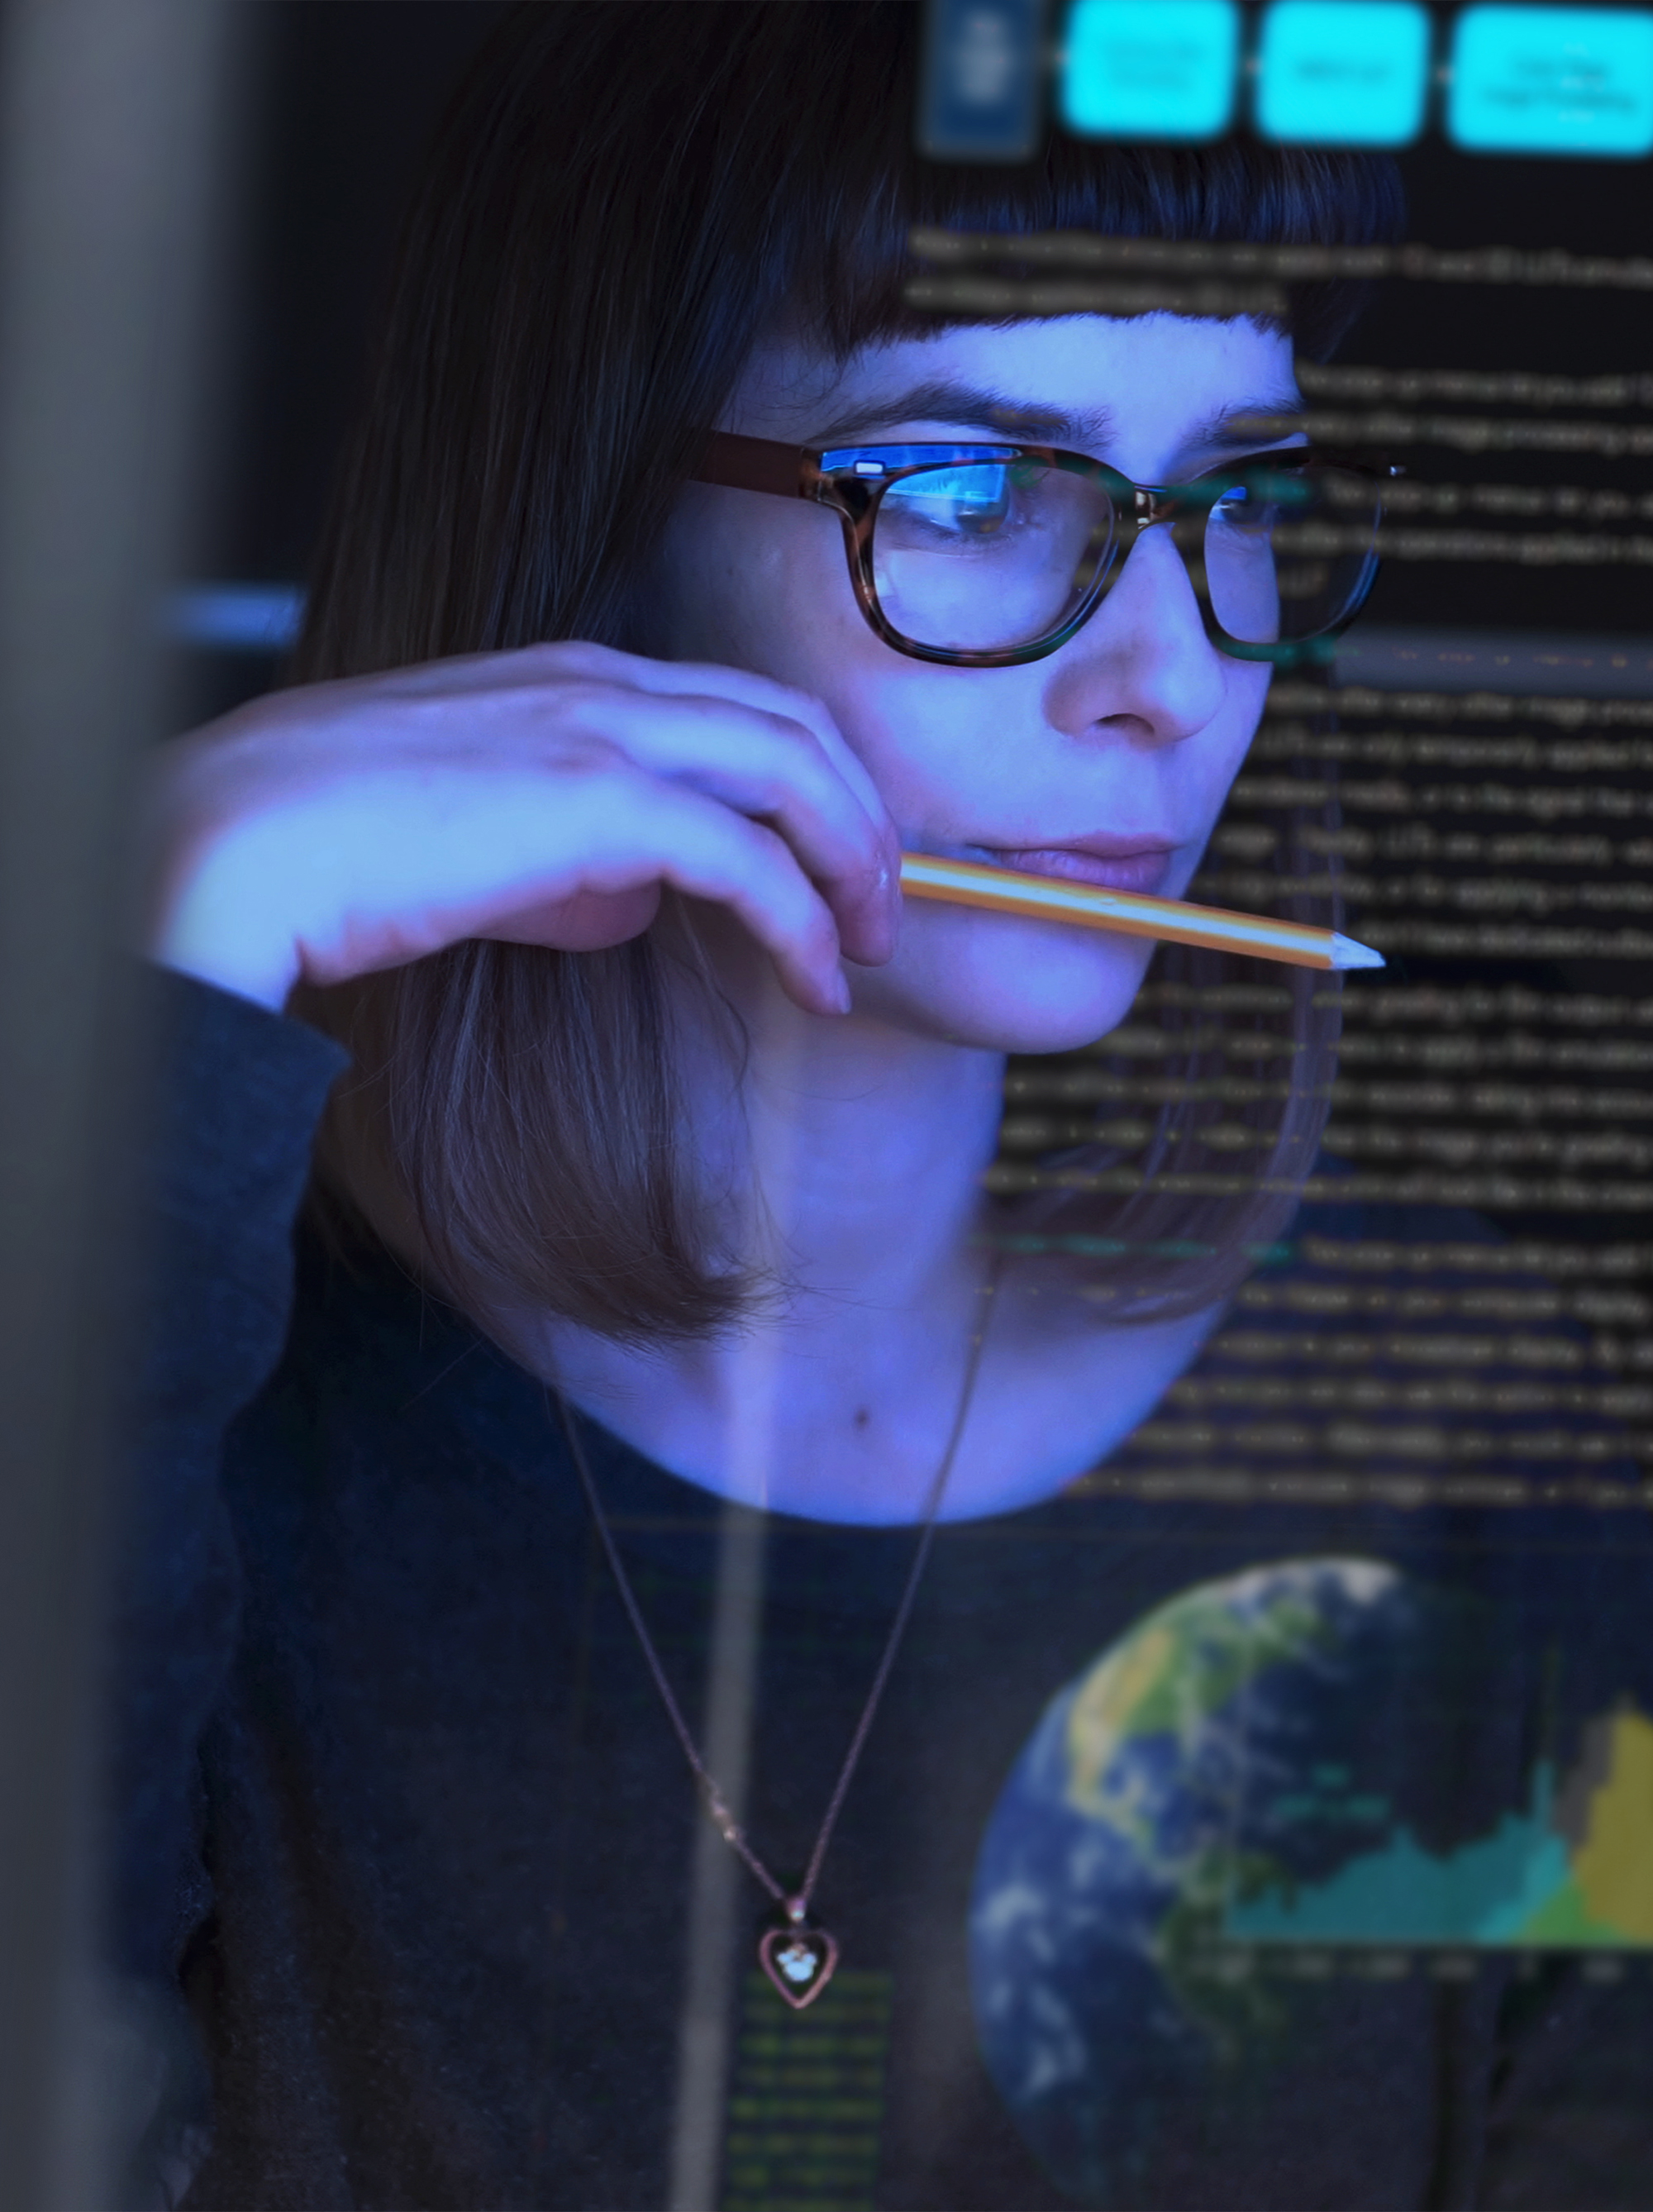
x=1241, y=425
x=1233, y=428
x=976, y=405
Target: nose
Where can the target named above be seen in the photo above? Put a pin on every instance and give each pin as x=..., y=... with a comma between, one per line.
x=1142, y=668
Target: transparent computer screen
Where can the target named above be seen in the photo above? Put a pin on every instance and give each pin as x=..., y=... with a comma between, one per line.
x=900, y=1202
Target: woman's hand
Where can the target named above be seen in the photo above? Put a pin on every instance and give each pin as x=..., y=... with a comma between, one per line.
x=544, y=797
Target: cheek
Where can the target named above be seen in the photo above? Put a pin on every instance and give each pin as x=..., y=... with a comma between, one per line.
x=1248, y=691
x=753, y=583
x=964, y=753
x=953, y=750
x=1220, y=758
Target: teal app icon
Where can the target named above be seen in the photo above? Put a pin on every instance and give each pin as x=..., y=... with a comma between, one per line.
x=1149, y=69
x=1552, y=80
x=1343, y=72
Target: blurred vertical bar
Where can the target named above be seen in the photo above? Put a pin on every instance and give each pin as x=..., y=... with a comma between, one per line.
x=982, y=93
x=112, y=128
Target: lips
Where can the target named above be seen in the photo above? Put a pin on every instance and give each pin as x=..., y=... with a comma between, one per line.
x=1119, y=865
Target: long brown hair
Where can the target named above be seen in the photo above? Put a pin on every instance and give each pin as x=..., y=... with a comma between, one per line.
x=624, y=196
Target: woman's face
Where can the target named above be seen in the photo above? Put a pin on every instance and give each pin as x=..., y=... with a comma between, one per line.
x=1110, y=760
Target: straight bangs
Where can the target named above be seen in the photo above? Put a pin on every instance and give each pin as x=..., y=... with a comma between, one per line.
x=625, y=197
x=1232, y=192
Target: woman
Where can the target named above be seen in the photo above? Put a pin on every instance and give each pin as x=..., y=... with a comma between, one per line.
x=657, y=1171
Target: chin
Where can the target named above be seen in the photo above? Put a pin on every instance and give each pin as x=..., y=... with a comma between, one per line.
x=1001, y=984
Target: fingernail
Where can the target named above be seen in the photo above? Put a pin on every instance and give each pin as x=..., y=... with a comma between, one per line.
x=841, y=993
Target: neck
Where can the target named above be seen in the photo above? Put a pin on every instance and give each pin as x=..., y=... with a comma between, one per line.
x=844, y=1161
x=851, y=1155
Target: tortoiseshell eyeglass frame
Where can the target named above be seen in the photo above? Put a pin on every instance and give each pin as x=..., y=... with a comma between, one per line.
x=852, y=480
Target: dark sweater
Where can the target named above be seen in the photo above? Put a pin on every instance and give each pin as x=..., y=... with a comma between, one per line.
x=398, y=1810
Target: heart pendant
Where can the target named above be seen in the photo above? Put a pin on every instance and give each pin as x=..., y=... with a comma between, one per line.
x=800, y=1961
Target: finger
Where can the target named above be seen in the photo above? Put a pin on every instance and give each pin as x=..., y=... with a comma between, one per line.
x=772, y=770
x=590, y=922
x=576, y=662
x=745, y=687
x=799, y=776
x=629, y=833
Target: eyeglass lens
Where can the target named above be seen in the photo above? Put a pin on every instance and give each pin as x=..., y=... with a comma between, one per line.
x=981, y=556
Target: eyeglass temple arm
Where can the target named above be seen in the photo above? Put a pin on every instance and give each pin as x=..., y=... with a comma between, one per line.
x=752, y=465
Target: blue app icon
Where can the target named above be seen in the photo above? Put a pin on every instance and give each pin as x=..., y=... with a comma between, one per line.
x=1149, y=69
x=1552, y=80
x=1343, y=72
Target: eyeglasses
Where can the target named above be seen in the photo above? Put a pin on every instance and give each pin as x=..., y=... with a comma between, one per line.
x=984, y=556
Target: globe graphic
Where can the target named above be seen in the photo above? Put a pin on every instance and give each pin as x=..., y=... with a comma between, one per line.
x=1245, y=1733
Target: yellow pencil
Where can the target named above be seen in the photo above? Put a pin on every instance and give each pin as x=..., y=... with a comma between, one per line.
x=1053, y=898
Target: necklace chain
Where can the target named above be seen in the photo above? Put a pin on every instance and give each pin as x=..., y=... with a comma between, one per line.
x=796, y=1906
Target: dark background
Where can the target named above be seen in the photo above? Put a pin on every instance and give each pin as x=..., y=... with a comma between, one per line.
x=344, y=93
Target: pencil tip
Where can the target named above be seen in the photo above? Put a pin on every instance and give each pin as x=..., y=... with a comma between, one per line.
x=1346, y=953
